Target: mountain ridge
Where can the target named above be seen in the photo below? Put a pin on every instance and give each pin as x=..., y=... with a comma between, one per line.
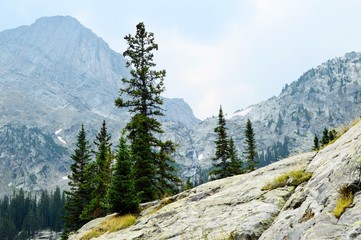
x=59, y=80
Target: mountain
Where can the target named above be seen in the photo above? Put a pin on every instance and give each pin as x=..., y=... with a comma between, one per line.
x=54, y=76
x=327, y=96
x=240, y=208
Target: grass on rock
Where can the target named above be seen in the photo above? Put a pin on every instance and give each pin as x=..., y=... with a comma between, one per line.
x=345, y=199
x=293, y=178
x=113, y=224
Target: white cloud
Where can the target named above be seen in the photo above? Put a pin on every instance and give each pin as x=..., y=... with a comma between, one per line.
x=220, y=71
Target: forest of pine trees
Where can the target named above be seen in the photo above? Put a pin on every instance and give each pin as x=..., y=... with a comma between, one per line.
x=23, y=215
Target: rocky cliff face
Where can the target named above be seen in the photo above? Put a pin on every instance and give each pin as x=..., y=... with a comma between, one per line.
x=326, y=96
x=238, y=208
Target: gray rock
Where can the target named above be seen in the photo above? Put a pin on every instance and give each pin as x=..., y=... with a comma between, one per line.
x=237, y=208
x=234, y=206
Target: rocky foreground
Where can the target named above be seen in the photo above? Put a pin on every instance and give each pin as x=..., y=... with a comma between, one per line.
x=237, y=208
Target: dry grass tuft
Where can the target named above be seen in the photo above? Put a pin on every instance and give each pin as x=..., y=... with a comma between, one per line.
x=307, y=215
x=293, y=178
x=113, y=224
x=345, y=127
x=345, y=199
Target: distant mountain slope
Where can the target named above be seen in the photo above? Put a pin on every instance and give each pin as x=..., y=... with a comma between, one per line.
x=55, y=75
x=326, y=96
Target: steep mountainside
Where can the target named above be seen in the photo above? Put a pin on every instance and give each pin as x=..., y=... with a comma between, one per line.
x=238, y=208
x=54, y=76
x=326, y=96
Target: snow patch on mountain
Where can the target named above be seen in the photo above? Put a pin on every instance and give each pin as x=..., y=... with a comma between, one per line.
x=61, y=140
x=239, y=113
x=58, y=131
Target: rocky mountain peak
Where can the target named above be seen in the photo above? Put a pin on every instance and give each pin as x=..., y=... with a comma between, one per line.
x=57, y=21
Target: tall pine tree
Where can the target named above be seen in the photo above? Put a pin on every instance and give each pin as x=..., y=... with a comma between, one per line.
x=141, y=95
x=78, y=196
x=250, y=151
x=220, y=160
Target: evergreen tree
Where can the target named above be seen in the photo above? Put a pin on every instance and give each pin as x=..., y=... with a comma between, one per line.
x=250, y=152
x=188, y=185
x=325, y=138
x=316, y=143
x=141, y=95
x=121, y=195
x=235, y=166
x=56, y=211
x=78, y=196
x=17, y=209
x=167, y=181
x=100, y=172
x=220, y=159
x=29, y=225
x=332, y=134
x=44, y=210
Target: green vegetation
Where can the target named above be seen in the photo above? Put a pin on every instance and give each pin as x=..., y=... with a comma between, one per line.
x=331, y=136
x=121, y=195
x=98, y=173
x=279, y=150
x=78, y=196
x=316, y=143
x=345, y=199
x=250, y=151
x=23, y=215
x=293, y=178
x=220, y=160
x=226, y=161
x=110, y=225
x=235, y=165
x=328, y=136
x=188, y=185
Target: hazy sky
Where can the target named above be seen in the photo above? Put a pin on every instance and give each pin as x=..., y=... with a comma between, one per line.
x=232, y=53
